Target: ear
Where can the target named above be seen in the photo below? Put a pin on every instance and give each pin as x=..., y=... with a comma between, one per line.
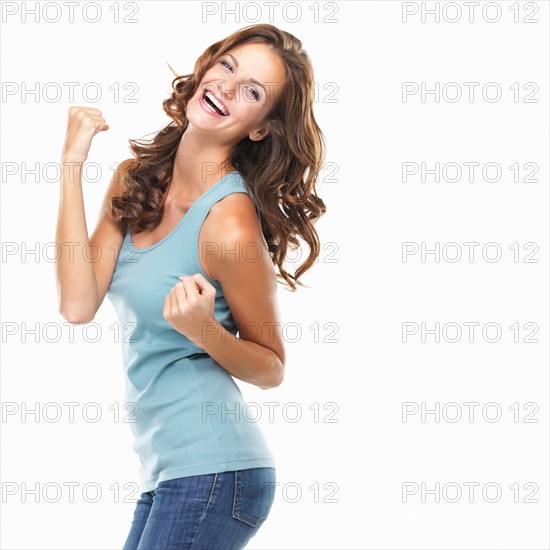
x=259, y=134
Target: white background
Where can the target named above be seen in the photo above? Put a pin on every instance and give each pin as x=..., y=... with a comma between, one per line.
x=360, y=284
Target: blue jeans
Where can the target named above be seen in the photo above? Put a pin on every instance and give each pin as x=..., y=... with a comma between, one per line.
x=208, y=512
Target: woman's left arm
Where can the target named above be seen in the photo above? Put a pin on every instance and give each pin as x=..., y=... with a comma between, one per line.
x=242, y=265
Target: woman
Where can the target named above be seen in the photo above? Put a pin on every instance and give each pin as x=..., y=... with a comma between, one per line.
x=188, y=238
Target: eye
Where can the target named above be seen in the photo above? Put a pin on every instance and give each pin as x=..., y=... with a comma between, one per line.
x=225, y=63
x=254, y=93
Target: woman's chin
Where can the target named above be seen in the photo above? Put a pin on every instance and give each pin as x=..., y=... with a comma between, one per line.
x=200, y=123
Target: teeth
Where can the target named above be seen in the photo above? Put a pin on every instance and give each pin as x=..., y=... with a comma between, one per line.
x=217, y=103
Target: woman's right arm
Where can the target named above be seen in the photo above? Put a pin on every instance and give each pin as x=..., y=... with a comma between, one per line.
x=85, y=265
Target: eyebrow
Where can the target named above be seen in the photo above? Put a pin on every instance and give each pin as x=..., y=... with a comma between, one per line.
x=234, y=59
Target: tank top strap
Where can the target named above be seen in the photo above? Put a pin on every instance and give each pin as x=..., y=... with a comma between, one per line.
x=231, y=183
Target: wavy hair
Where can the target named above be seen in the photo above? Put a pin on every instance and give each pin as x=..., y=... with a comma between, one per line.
x=280, y=171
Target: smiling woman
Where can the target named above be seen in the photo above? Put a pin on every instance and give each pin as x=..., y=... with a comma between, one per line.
x=270, y=136
x=235, y=171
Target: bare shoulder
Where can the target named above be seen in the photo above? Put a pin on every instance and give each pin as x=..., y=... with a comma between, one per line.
x=233, y=216
x=232, y=224
x=233, y=207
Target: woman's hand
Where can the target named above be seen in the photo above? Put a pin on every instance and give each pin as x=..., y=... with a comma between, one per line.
x=189, y=307
x=84, y=123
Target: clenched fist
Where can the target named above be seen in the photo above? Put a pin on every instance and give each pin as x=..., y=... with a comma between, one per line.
x=83, y=124
x=189, y=307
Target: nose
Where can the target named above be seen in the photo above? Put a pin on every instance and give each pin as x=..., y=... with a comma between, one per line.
x=228, y=89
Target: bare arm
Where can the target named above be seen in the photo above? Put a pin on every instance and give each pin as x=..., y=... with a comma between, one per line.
x=257, y=356
x=85, y=266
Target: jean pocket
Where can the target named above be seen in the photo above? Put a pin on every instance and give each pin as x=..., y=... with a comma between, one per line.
x=254, y=495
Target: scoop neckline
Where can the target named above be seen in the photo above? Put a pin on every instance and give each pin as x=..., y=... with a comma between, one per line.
x=138, y=250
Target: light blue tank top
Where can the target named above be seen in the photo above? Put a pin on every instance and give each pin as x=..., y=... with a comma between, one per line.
x=191, y=417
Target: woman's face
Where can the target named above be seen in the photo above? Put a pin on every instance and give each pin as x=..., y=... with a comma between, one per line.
x=246, y=81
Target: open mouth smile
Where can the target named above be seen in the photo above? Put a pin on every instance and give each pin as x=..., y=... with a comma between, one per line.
x=213, y=105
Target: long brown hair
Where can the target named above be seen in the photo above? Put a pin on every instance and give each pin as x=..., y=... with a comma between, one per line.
x=280, y=171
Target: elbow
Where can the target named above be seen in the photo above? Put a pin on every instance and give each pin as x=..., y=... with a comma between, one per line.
x=75, y=316
x=271, y=384
x=276, y=379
